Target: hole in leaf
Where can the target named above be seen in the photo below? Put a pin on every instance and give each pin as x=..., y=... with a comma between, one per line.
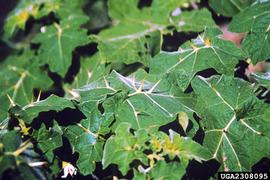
x=69, y=116
x=57, y=88
x=136, y=163
x=44, y=117
x=87, y=50
x=147, y=69
x=130, y=68
x=219, y=19
x=175, y=126
x=173, y=42
x=199, y=136
x=240, y=70
x=196, y=117
x=74, y=69
x=140, y=54
x=145, y=45
x=101, y=108
x=190, y=126
x=207, y=73
x=189, y=89
x=144, y=3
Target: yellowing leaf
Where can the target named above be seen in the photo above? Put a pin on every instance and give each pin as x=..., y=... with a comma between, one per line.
x=183, y=120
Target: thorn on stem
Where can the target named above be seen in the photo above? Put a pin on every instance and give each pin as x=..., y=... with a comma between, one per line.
x=11, y=101
x=39, y=94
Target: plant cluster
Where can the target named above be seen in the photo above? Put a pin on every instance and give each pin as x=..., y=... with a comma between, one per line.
x=93, y=85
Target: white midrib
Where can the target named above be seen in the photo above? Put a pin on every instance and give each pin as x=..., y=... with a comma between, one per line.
x=153, y=28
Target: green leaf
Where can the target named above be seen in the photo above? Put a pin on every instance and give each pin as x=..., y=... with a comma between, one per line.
x=158, y=12
x=26, y=9
x=86, y=137
x=72, y=11
x=119, y=45
x=91, y=70
x=148, y=100
x=125, y=147
x=32, y=110
x=163, y=170
x=170, y=171
x=129, y=91
x=137, y=99
x=122, y=149
x=18, y=17
x=59, y=40
x=48, y=139
x=194, y=21
x=57, y=44
x=229, y=7
x=99, y=15
x=83, y=138
x=96, y=91
x=254, y=20
x=236, y=131
x=206, y=51
x=10, y=140
x=134, y=35
x=19, y=76
x=175, y=145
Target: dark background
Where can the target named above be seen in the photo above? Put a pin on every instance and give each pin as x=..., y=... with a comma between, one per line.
x=195, y=170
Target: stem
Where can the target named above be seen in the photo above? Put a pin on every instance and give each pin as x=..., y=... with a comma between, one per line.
x=22, y=148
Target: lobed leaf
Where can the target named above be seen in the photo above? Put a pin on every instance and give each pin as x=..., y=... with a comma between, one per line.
x=137, y=99
x=255, y=21
x=125, y=147
x=229, y=7
x=32, y=110
x=236, y=130
x=83, y=139
x=48, y=139
x=91, y=70
x=18, y=17
x=137, y=35
x=58, y=43
x=206, y=51
x=20, y=75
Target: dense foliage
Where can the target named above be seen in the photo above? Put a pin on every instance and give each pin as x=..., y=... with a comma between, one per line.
x=133, y=89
